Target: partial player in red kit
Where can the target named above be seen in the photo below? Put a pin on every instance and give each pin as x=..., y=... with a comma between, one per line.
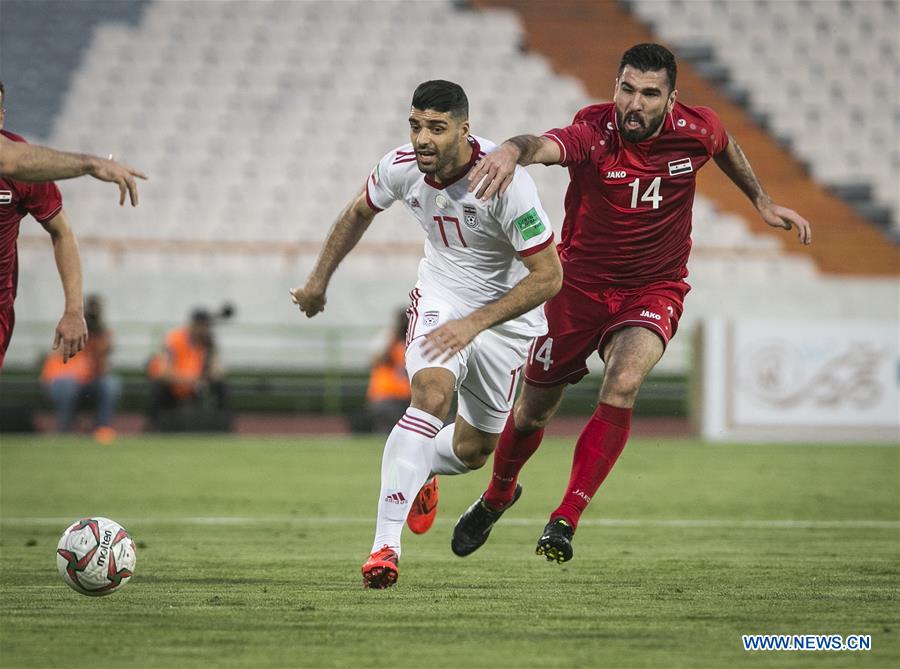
x=625, y=244
x=44, y=202
x=38, y=164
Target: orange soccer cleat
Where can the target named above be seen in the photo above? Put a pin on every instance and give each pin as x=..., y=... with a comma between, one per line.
x=424, y=508
x=381, y=570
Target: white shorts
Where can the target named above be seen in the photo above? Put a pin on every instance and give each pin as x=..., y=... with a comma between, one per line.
x=487, y=370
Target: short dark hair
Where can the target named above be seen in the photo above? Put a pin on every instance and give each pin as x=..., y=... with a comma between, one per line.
x=2, y=91
x=650, y=57
x=442, y=96
x=200, y=316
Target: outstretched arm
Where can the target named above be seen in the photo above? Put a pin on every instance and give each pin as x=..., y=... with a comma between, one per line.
x=733, y=162
x=344, y=235
x=496, y=170
x=543, y=281
x=27, y=162
x=71, y=331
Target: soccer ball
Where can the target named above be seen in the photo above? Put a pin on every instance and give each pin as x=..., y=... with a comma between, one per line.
x=95, y=556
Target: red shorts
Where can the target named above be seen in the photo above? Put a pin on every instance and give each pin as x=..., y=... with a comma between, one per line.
x=581, y=321
x=7, y=321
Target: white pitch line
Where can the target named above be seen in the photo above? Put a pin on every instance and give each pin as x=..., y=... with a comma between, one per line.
x=701, y=523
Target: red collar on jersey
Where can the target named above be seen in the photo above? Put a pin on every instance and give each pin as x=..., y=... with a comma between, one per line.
x=476, y=154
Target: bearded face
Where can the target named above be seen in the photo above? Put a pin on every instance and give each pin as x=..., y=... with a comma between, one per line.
x=642, y=101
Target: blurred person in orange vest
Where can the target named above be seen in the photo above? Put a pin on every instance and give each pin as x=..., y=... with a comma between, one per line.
x=388, y=393
x=85, y=376
x=188, y=370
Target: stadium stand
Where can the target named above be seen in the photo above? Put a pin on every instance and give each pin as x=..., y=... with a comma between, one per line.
x=257, y=120
x=586, y=40
x=823, y=77
x=60, y=32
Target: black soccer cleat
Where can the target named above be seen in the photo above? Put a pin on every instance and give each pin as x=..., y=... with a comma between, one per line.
x=474, y=527
x=556, y=541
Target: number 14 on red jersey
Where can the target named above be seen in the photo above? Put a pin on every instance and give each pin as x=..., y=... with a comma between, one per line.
x=650, y=195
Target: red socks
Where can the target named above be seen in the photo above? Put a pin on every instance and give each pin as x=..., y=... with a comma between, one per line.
x=512, y=453
x=596, y=451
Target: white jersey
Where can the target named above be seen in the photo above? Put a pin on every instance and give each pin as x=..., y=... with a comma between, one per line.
x=472, y=248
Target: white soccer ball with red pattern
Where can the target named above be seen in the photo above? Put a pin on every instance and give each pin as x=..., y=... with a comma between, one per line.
x=95, y=556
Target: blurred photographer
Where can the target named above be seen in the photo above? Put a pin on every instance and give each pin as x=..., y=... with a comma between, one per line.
x=388, y=392
x=85, y=377
x=188, y=371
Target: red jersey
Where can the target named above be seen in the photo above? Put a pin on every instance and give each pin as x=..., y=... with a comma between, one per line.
x=628, y=206
x=17, y=200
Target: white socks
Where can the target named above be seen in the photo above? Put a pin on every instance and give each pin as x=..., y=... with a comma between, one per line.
x=443, y=459
x=405, y=466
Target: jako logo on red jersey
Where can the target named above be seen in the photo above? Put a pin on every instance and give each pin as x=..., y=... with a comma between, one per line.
x=616, y=174
x=650, y=314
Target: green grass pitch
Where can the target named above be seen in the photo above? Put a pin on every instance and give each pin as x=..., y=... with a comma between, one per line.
x=249, y=552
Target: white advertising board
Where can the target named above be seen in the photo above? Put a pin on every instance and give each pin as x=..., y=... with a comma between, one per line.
x=803, y=380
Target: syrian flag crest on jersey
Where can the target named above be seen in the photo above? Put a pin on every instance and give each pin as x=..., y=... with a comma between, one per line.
x=5, y=197
x=681, y=166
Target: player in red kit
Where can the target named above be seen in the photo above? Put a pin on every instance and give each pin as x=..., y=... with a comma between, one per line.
x=44, y=202
x=624, y=248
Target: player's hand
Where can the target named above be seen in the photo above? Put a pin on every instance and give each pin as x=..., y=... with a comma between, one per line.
x=493, y=173
x=782, y=217
x=110, y=170
x=310, y=300
x=71, y=335
x=448, y=340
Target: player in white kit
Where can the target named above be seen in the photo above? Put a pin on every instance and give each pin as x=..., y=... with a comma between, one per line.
x=476, y=307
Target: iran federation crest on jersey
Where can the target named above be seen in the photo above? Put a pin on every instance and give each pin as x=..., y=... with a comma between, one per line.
x=470, y=216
